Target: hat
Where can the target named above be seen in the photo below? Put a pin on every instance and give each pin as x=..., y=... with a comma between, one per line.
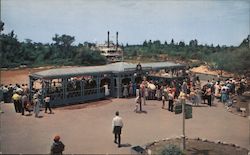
x=57, y=138
x=35, y=96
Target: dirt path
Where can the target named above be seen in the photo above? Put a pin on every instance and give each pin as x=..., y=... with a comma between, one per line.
x=21, y=76
x=205, y=70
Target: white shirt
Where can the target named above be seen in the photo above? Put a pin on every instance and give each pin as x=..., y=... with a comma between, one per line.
x=117, y=121
x=19, y=90
x=47, y=99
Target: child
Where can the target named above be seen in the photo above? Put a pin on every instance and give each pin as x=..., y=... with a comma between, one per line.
x=137, y=102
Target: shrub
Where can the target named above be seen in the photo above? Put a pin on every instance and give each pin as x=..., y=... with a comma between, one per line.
x=171, y=150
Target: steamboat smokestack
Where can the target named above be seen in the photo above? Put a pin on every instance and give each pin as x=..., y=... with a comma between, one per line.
x=116, y=39
x=108, y=39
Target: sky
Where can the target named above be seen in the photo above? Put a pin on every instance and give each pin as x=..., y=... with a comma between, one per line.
x=223, y=22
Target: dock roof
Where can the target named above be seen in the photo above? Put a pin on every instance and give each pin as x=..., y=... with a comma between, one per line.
x=109, y=68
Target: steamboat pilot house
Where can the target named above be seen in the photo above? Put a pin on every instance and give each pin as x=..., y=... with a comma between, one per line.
x=113, y=52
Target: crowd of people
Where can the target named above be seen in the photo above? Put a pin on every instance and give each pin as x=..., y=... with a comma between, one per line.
x=20, y=96
x=195, y=92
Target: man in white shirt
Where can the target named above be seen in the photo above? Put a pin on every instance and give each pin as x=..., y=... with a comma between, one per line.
x=117, y=125
x=47, y=104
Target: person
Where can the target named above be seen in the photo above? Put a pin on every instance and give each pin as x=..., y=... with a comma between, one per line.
x=106, y=89
x=10, y=93
x=5, y=94
x=137, y=103
x=117, y=125
x=36, y=102
x=125, y=90
x=47, y=104
x=130, y=89
x=158, y=93
x=24, y=103
x=57, y=147
x=146, y=93
x=143, y=93
x=26, y=89
x=184, y=87
x=134, y=88
x=16, y=99
x=164, y=97
x=209, y=96
x=170, y=101
x=224, y=92
x=217, y=89
x=192, y=97
x=1, y=92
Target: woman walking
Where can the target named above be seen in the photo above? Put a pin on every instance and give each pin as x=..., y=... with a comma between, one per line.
x=36, y=102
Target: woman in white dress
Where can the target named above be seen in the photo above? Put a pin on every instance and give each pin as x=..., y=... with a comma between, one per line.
x=125, y=90
x=36, y=102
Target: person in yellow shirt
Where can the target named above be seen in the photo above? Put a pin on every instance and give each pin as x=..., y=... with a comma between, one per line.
x=16, y=99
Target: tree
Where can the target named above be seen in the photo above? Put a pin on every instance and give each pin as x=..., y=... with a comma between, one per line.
x=28, y=41
x=64, y=43
x=193, y=43
x=157, y=43
x=1, y=26
x=245, y=42
x=182, y=44
x=145, y=44
x=172, y=42
x=56, y=39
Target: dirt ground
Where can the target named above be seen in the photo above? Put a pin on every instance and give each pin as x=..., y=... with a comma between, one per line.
x=205, y=70
x=21, y=75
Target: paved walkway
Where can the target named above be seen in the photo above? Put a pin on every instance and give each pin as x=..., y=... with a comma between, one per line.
x=88, y=130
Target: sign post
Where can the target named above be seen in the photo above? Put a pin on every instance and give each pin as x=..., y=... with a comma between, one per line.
x=183, y=124
x=186, y=110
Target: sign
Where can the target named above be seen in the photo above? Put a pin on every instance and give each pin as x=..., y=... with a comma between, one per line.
x=188, y=110
x=178, y=109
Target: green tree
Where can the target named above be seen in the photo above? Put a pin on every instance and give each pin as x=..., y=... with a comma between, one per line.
x=1, y=26
x=172, y=42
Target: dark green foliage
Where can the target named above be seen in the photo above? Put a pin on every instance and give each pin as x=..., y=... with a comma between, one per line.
x=1, y=25
x=88, y=57
x=14, y=53
x=171, y=150
x=234, y=59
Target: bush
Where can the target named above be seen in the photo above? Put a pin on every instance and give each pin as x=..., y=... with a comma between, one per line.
x=171, y=150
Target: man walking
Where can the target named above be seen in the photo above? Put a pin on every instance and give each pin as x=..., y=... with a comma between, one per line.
x=117, y=125
x=47, y=104
x=209, y=96
x=171, y=101
x=24, y=102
